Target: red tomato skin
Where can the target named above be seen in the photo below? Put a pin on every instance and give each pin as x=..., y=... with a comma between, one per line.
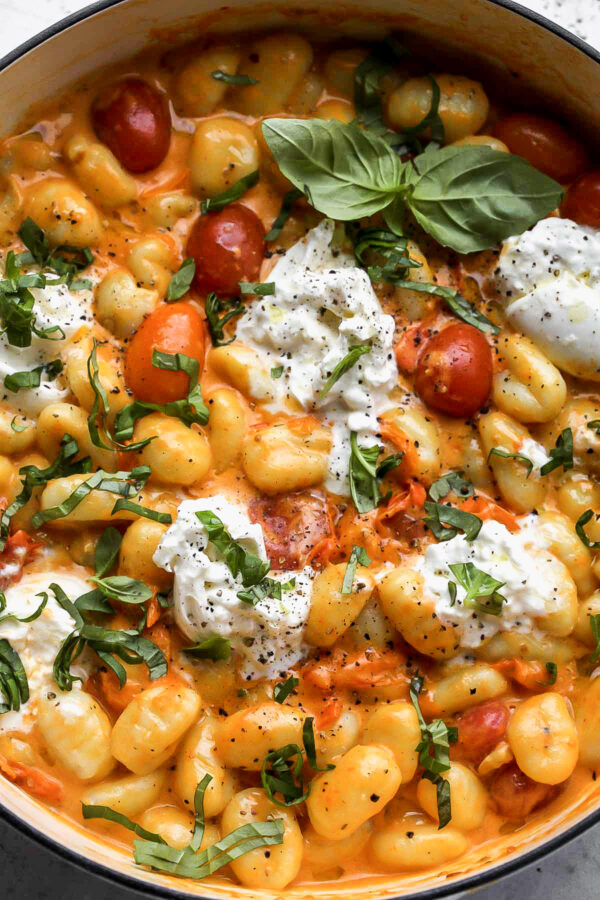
x=516, y=795
x=481, y=728
x=454, y=371
x=227, y=246
x=132, y=118
x=176, y=328
x=544, y=143
x=582, y=201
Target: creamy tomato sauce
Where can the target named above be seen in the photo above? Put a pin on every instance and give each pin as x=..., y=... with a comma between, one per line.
x=299, y=424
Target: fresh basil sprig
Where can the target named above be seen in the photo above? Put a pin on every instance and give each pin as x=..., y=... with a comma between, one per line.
x=216, y=323
x=283, y=689
x=236, y=80
x=189, y=410
x=14, y=687
x=561, y=454
x=467, y=198
x=181, y=281
x=231, y=195
x=433, y=751
x=32, y=378
x=284, y=214
x=504, y=454
x=32, y=477
x=478, y=584
x=358, y=556
x=153, y=851
x=451, y=482
x=446, y=521
x=344, y=365
x=214, y=647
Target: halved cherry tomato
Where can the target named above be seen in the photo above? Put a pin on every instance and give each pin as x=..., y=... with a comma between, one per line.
x=582, y=202
x=481, y=728
x=544, y=143
x=132, y=118
x=454, y=371
x=293, y=526
x=173, y=329
x=227, y=246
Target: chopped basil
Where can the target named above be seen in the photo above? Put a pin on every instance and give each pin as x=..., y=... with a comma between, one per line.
x=452, y=589
x=181, y=281
x=26, y=619
x=106, y=642
x=467, y=198
x=478, y=584
x=216, y=325
x=107, y=550
x=561, y=454
x=33, y=378
x=367, y=88
x=143, y=511
x=16, y=427
x=231, y=195
x=153, y=851
x=14, y=687
x=439, y=516
x=65, y=260
x=552, y=670
x=33, y=477
x=451, y=482
x=268, y=587
x=123, y=588
x=260, y=288
x=594, y=425
x=214, y=647
x=344, y=365
x=279, y=775
x=595, y=628
x=364, y=474
x=113, y=482
x=283, y=689
x=433, y=751
x=498, y=451
x=277, y=372
x=189, y=410
x=284, y=214
x=239, y=80
x=239, y=560
x=393, y=247
x=582, y=521
x=358, y=555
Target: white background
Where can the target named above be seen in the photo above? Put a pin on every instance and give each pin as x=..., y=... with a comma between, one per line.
x=28, y=872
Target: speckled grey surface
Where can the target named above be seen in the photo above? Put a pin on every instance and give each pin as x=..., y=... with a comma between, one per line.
x=29, y=872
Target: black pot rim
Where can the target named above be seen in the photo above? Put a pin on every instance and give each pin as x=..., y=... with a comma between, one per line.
x=478, y=879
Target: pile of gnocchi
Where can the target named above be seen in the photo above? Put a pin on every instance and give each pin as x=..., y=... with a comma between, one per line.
x=299, y=497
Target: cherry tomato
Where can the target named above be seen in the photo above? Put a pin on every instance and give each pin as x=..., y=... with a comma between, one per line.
x=516, y=795
x=582, y=203
x=544, y=143
x=132, y=118
x=228, y=246
x=454, y=371
x=293, y=525
x=481, y=728
x=173, y=329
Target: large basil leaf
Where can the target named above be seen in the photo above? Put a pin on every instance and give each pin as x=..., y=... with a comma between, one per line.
x=345, y=172
x=471, y=198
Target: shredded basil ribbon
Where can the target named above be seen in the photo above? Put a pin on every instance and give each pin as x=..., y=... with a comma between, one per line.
x=181, y=281
x=284, y=213
x=433, y=751
x=344, y=365
x=14, y=686
x=283, y=689
x=33, y=378
x=358, y=555
x=446, y=521
x=561, y=454
x=153, y=850
x=214, y=647
x=451, y=482
x=364, y=474
x=279, y=775
x=519, y=457
x=236, y=80
x=231, y=195
x=216, y=324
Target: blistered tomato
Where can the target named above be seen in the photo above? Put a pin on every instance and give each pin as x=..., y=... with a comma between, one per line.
x=545, y=144
x=582, y=202
x=132, y=118
x=454, y=371
x=227, y=246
